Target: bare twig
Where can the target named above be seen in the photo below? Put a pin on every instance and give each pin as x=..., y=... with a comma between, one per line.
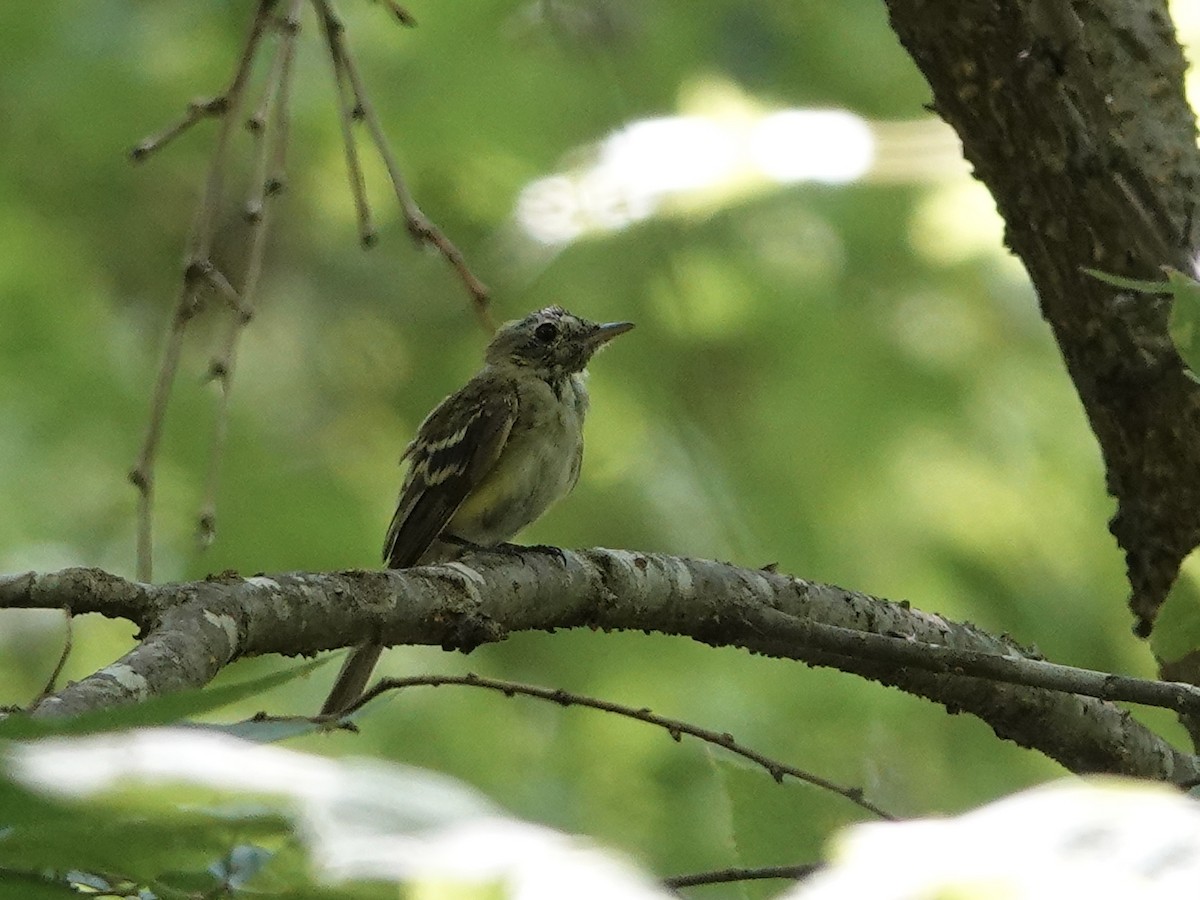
x=189, y=297
x=196, y=110
x=348, y=111
x=674, y=727
x=68, y=645
x=403, y=16
x=202, y=233
x=422, y=229
x=217, y=279
x=724, y=876
x=142, y=475
x=270, y=126
x=897, y=651
x=281, y=122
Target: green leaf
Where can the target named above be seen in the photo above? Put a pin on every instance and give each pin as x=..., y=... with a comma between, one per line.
x=166, y=806
x=1185, y=317
x=1177, y=628
x=125, y=834
x=170, y=709
x=32, y=885
x=1130, y=284
x=139, y=831
x=1184, y=324
x=268, y=730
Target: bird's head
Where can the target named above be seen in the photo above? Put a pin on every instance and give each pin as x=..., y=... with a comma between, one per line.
x=552, y=342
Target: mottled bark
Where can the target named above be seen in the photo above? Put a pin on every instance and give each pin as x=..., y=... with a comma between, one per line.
x=192, y=630
x=1074, y=116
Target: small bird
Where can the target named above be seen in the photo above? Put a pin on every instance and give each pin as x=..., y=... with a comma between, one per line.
x=492, y=457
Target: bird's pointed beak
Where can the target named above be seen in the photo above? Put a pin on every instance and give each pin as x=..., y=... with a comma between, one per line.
x=606, y=332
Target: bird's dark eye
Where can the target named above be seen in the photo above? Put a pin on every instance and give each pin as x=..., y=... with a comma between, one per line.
x=546, y=332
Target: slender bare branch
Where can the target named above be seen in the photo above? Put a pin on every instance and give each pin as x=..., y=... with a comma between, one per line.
x=280, y=122
x=1008, y=669
x=216, y=278
x=422, y=229
x=271, y=121
x=200, y=243
x=211, y=107
x=674, y=727
x=189, y=297
x=402, y=15
x=725, y=876
x=197, y=110
x=142, y=474
x=348, y=111
x=68, y=645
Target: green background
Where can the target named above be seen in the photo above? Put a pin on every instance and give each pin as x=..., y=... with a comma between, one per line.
x=851, y=381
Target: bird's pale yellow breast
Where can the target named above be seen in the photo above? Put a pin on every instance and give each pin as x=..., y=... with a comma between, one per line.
x=538, y=465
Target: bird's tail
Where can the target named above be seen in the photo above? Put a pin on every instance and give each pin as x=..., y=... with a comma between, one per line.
x=352, y=679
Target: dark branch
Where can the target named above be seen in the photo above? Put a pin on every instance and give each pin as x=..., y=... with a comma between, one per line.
x=674, y=727
x=724, y=876
x=485, y=597
x=1074, y=116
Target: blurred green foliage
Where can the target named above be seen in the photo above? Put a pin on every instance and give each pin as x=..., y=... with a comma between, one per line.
x=826, y=377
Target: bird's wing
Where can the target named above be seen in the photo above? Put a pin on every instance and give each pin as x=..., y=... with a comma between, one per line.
x=455, y=447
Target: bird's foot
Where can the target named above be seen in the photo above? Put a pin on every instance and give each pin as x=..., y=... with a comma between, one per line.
x=504, y=547
x=456, y=541
x=521, y=549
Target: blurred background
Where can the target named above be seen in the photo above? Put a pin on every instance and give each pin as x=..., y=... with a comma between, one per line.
x=837, y=368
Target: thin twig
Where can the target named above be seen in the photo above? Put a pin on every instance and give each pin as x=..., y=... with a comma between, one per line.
x=142, y=474
x=211, y=107
x=674, y=727
x=897, y=652
x=348, y=111
x=281, y=124
x=217, y=279
x=422, y=229
x=196, y=111
x=724, y=876
x=403, y=16
x=188, y=302
x=203, y=229
x=271, y=128
x=68, y=645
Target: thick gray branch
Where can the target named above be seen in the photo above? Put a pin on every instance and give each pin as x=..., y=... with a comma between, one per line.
x=199, y=627
x=1074, y=116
